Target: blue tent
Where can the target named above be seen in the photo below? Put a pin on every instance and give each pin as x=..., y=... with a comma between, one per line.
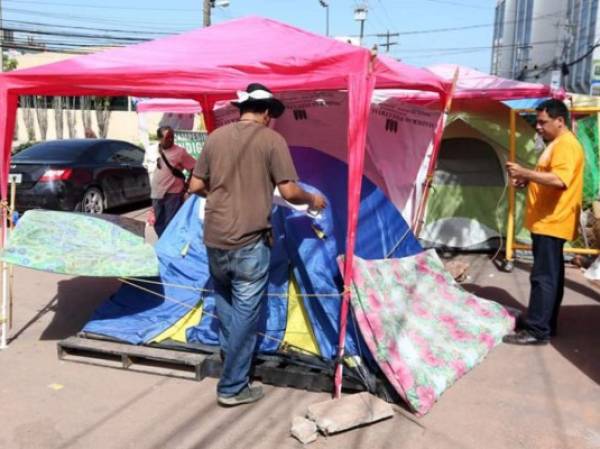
x=304, y=247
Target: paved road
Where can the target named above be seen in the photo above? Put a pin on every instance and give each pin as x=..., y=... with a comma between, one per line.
x=542, y=397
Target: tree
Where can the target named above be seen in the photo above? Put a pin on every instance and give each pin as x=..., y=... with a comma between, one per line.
x=86, y=113
x=71, y=118
x=41, y=112
x=57, y=104
x=28, y=118
x=9, y=64
x=102, y=106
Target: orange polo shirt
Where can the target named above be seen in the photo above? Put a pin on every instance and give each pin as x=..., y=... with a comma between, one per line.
x=551, y=211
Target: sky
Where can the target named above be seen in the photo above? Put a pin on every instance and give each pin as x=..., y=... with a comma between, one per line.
x=427, y=28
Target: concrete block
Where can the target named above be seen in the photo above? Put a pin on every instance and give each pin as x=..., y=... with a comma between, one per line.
x=303, y=430
x=336, y=415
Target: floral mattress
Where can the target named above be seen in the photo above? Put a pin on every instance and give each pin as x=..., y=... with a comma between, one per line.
x=423, y=329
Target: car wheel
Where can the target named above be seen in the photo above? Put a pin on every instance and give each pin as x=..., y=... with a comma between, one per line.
x=93, y=201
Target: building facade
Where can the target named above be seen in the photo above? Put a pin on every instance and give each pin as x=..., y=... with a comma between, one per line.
x=548, y=41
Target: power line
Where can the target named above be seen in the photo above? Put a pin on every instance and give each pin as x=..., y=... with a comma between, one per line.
x=102, y=7
x=88, y=19
x=465, y=5
x=466, y=27
x=68, y=34
x=62, y=27
x=387, y=15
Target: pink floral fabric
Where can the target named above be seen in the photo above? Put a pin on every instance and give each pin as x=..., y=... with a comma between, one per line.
x=423, y=329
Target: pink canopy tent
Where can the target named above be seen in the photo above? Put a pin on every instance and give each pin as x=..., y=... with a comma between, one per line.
x=176, y=106
x=473, y=85
x=210, y=64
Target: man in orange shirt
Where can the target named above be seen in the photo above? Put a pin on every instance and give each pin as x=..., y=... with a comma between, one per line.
x=554, y=198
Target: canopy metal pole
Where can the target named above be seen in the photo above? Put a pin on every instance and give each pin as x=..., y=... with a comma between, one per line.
x=510, y=225
x=11, y=278
x=4, y=310
x=435, y=149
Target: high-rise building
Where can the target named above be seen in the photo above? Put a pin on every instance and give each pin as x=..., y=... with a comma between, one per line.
x=548, y=41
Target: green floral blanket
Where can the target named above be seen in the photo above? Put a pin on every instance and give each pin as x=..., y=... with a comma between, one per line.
x=78, y=244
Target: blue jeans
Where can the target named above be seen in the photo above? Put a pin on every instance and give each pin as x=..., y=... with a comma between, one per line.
x=547, y=285
x=240, y=278
x=165, y=209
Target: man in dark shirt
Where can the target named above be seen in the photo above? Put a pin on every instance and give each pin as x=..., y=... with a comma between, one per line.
x=238, y=169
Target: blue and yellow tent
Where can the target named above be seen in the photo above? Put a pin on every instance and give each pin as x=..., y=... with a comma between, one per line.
x=303, y=300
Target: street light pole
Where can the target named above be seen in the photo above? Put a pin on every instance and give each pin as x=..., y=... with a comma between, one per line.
x=325, y=5
x=360, y=15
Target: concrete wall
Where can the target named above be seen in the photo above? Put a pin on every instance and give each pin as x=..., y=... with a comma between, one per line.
x=547, y=43
x=504, y=46
x=122, y=125
x=548, y=31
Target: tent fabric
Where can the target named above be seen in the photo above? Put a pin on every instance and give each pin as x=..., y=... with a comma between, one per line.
x=215, y=62
x=587, y=133
x=79, y=244
x=298, y=331
x=471, y=85
x=483, y=169
x=423, y=329
x=137, y=317
x=178, y=331
x=458, y=232
x=174, y=105
x=474, y=84
x=319, y=120
x=480, y=126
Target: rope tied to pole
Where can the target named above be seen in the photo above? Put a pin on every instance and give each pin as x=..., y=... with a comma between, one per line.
x=283, y=345
x=345, y=289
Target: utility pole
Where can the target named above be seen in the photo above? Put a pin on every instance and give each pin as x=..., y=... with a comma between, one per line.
x=387, y=36
x=206, y=10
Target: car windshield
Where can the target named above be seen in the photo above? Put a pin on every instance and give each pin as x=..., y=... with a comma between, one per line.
x=63, y=150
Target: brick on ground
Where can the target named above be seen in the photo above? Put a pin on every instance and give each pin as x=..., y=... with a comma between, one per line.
x=336, y=415
x=303, y=430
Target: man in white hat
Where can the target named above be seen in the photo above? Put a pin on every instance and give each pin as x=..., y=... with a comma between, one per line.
x=238, y=170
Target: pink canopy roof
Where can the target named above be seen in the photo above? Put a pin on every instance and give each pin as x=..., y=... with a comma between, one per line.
x=174, y=105
x=471, y=85
x=216, y=61
x=474, y=84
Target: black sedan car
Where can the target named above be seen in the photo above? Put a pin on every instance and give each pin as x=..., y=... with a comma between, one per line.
x=87, y=175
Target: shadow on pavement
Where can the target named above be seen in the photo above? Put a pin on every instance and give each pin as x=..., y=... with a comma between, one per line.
x=496, y=294
x=578, y=328
x=73, y=305
x=578, y=338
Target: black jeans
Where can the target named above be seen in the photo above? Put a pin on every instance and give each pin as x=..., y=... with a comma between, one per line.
x=165, y=209
x=547, y=285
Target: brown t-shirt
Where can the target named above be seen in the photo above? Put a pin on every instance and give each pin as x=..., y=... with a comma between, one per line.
x=241, y=162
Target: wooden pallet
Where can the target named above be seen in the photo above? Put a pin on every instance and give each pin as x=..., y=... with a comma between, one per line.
x=138, y=358
x=270, y=370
